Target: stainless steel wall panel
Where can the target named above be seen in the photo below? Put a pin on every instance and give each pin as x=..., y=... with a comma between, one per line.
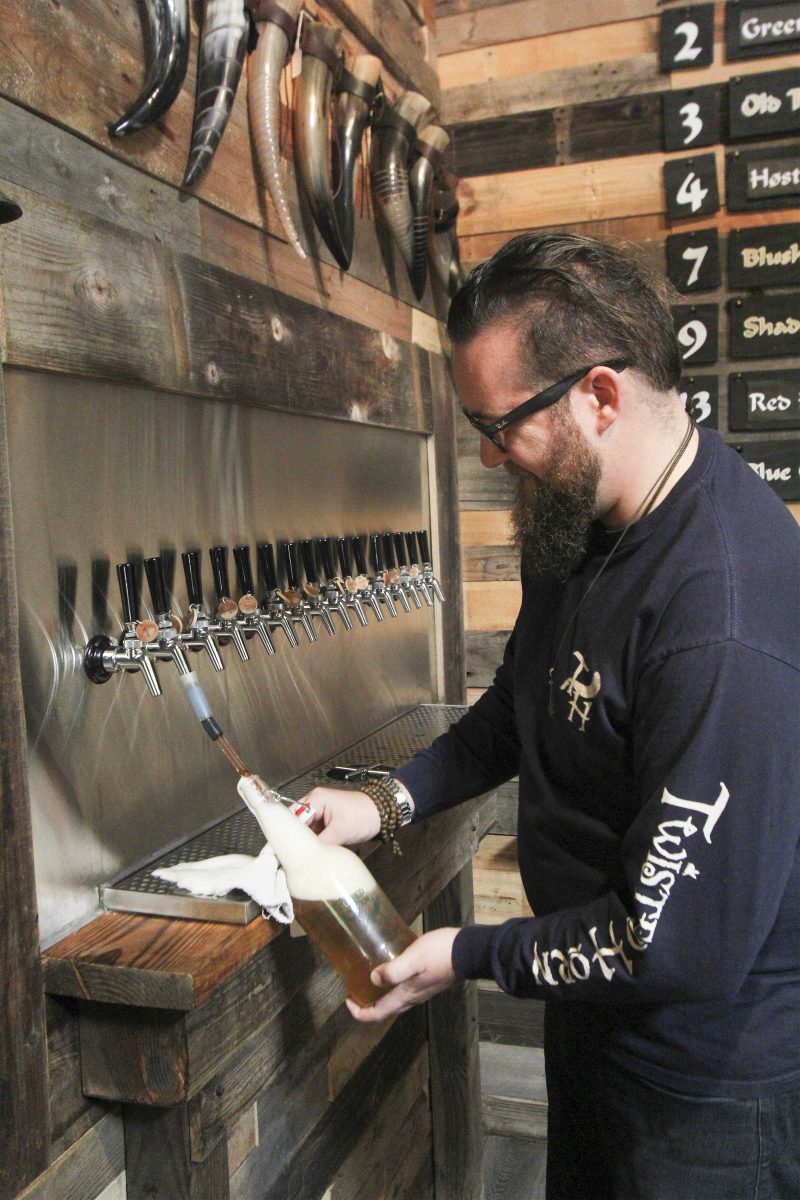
x=102, y=473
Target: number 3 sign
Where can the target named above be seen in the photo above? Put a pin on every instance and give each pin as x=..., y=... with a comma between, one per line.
x=687, y=37
x=691, y=186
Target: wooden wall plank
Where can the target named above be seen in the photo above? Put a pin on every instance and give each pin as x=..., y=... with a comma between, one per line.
x=489, y=563
x=90, y=1164
x=492, y=606
x=71, y=1113
x=509, y=143
x=455, y=1074
x=23, y=1062
x=499, y=894
x=508, y=1020
x=528, y=56
x=488, y=527
x=484, y=655
x=496, y=24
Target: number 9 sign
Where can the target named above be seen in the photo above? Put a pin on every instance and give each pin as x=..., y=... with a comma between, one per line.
x=697, y=331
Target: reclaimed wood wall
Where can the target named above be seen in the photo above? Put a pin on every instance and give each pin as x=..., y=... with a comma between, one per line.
x=114, y=273
x=554, y=107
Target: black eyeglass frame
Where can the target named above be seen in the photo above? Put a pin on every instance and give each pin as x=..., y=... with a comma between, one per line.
x=543, y=399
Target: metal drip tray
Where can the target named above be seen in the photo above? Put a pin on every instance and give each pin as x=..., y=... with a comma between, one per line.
x=140, y=892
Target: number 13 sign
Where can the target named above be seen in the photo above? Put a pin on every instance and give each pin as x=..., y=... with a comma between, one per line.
x=691, y=186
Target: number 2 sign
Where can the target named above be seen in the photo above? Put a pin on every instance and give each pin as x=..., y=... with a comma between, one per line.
x=690, y=185
x=687, y=37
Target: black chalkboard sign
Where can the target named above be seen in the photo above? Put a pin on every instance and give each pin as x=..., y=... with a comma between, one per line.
x=687, y=37
x=764, y=105
x=777, y=463
x=693, y=260
x=764, y=257
x=690, y=186
x=757, y=30
x=700, y=396
x=759, y=179
x=697, y=331
x=764, y=400
x=690, y=118
x=765, y=326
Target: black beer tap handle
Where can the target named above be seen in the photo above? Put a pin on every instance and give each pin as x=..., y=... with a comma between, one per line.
x=400, y=549
x=377, y=552
x=309, y=560
x=219, y=567
x=191, y=572
x=154, y=569
x=424, y=548
x=266, y=557
x=126, y=578
x=326, y=557
x=388, y=551
x=244, y=571
x=345, y=556
x=289, y=553
x=360, y=557
x=411, y=543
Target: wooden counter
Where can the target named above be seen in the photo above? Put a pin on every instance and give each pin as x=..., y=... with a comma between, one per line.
x=192, y=1025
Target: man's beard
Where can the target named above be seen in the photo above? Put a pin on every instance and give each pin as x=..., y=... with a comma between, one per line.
x=552, y=513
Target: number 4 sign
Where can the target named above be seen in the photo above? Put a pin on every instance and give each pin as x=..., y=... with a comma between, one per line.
x=693, y=260
x=691, y=186
x=687, y=37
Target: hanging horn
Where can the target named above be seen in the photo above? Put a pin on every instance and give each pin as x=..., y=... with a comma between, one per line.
x=9, y=210
x=276, y=21
x=444, y=256
x=430, y=147
x=393, y=134
x=321, y=65
x=357, y=88
x=222, y=46
x=169, y=38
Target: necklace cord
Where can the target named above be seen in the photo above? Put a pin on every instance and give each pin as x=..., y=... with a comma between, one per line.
x=642, y=511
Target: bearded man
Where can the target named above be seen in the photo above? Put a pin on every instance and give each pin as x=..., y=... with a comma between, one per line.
x=648, y=700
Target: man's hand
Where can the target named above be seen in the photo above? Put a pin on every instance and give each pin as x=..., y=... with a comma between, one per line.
x=343, y=817
x=421, y=971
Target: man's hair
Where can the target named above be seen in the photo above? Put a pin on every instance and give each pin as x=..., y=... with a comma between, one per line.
x=576, y=301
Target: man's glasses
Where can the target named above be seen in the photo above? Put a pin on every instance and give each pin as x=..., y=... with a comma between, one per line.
x=541, y=400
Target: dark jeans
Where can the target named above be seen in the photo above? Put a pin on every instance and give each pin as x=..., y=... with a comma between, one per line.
x=613, y=1136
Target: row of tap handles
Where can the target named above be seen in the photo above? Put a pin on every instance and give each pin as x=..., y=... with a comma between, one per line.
x=400, y=572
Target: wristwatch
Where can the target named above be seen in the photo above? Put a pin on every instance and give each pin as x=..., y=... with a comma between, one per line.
x=403, y=802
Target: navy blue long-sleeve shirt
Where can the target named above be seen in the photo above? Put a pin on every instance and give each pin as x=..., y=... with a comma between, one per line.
x=659, y=804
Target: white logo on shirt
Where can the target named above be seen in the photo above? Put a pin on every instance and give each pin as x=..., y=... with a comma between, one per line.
x=581, y=694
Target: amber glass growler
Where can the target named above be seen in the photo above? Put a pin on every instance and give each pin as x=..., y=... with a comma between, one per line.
x=336, y=898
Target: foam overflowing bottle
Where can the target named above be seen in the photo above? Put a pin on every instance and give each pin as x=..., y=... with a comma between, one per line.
x=336, y=898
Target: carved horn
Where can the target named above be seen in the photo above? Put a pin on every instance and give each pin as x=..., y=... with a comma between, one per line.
x=321, y=64
x=169, y=37
x=444, y=256
x=356, y=94
x=222, y=46
x=393, y=134
x=430, y=146
x=276, y=22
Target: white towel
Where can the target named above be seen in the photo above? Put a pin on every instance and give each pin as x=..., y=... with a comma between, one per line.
x=261, y=877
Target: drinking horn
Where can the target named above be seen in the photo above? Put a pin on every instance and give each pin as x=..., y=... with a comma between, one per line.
x=444, y=255
x=276, y=22
x=394, y=131
x=169, y=39
x=226, y=27
x=430, y=147
x=356, y=91
x=322, y=63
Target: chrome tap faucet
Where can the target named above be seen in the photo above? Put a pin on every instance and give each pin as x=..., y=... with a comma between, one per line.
x=354, y=587
x=414, y=569
x=338, y=596
x=391, y=574
x=102, y=657
x=167, y=643
x=227, y=608
x=275, y=611
x=252, y=618
x=377, y=580
x=427, y=565
x=200, y=626
x=366, y=591
x=329, y=598
x=308, y=594
x=405, y=575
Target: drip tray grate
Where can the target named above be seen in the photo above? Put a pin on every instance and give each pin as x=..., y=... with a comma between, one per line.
x=140, y=892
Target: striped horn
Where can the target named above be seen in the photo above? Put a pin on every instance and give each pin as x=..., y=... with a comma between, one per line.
x=222, y=48
x=393, y=134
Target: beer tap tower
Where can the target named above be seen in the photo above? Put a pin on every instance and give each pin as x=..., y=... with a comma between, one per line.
x=200, y=625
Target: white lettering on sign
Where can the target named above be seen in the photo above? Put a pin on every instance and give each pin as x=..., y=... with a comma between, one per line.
x=772, y=474
x=761, y=327
x=760, y=256
x=760, y=402
x=763, y=177
x=757, y=104
x=753, y=29
x=690, y=49
x=692, y=335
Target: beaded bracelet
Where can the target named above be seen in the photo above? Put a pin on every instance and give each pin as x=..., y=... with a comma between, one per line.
x=382, y=792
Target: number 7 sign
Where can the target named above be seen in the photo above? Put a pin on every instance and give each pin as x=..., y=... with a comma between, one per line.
x=693, y=260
